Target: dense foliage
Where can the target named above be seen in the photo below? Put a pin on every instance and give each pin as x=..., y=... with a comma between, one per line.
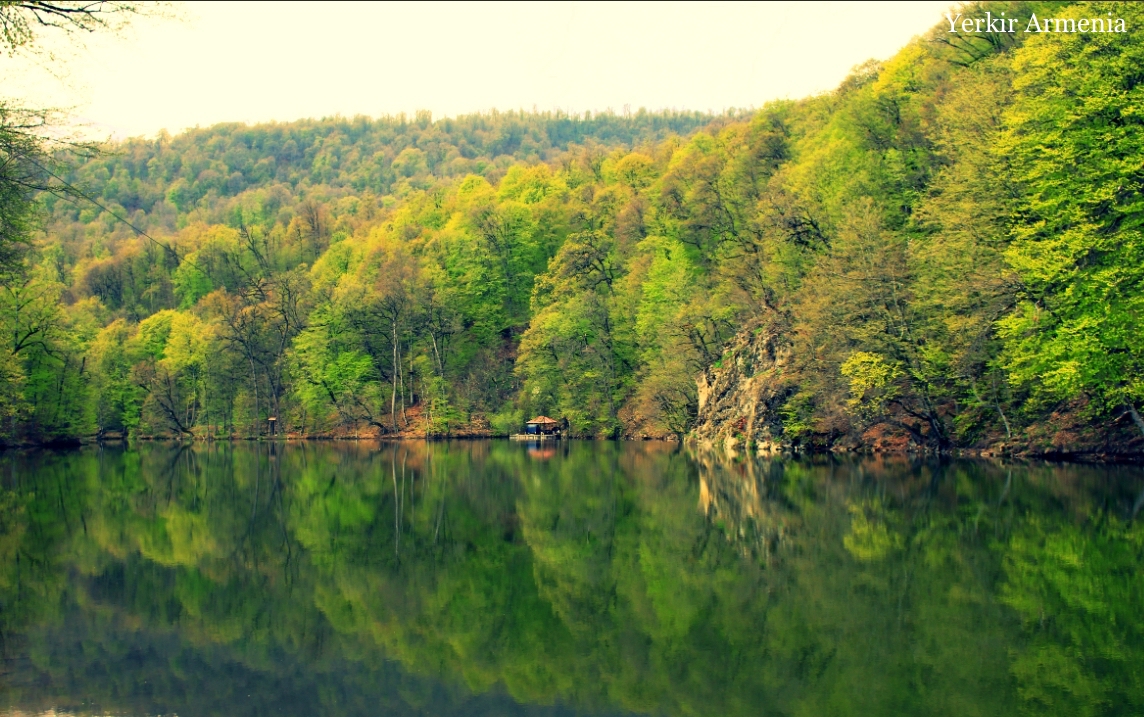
x=950, y=243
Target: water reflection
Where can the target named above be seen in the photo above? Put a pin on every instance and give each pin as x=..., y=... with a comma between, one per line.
x=583, y=578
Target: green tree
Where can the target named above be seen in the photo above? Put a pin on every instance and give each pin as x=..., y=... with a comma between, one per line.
x=1078, y=248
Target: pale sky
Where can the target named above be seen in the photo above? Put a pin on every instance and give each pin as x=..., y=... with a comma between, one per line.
x=252, y=62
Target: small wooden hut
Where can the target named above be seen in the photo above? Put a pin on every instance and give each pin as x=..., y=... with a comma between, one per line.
x=542, y=426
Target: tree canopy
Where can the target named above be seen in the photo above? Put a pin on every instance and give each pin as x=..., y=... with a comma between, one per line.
x=946, y=244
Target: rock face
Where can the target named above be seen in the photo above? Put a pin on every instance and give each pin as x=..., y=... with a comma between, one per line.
x=741, y=395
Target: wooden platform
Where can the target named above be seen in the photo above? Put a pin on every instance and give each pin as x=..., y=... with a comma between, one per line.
x=534, y=437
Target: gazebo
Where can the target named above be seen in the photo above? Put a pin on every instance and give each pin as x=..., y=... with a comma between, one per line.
x=542, y=426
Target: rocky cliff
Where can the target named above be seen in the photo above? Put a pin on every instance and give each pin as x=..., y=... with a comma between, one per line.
x=741, y=399
x=740, y=396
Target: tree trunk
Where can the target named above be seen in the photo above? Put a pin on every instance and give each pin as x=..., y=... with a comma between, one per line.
x=437, y=355
x=412, y=385
x=401, y=378
x=1008, y=431
x=393, y=394
x=1135, y=416
x=254, y=378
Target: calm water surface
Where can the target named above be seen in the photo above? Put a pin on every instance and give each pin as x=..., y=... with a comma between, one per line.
x=494, y=578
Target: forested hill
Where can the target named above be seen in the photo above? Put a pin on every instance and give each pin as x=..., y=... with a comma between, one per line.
x=945, y=251
x=201, y=168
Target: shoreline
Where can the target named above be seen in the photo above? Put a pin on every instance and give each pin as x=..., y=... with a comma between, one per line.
x=986, y=454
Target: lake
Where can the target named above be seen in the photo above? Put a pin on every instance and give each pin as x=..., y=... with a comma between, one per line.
x=581, y=578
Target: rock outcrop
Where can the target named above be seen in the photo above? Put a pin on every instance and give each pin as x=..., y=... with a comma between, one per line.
x=740, y=396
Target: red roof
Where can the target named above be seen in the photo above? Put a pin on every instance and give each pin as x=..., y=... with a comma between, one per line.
x=541, y=420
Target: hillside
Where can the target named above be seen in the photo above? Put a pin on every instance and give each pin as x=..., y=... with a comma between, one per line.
x=944, y=252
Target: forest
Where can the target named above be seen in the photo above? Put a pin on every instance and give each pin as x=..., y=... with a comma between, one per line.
x=946, y=251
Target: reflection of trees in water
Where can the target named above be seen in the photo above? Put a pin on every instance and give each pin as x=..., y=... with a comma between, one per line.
x=756, y=503
x=615, y=576
x=1023, y=582
x=308, y=565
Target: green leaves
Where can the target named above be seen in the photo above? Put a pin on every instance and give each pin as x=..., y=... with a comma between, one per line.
x=972, y=217
x=872, y=382
x=1075, y=140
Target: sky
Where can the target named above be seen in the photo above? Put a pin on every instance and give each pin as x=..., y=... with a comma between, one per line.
x=256, y=62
